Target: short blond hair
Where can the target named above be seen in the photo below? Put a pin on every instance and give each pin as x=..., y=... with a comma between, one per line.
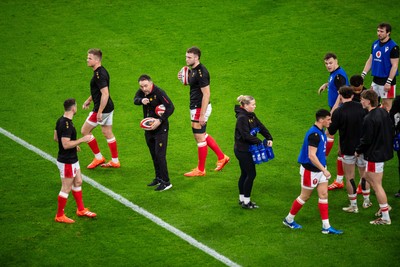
x=96, y=52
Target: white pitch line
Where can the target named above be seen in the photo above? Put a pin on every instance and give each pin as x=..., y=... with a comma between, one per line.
x=129, y=204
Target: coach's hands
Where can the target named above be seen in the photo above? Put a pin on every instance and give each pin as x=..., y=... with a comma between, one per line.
x=155, y=125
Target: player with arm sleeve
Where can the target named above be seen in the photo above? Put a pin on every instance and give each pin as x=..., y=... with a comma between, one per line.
x=383, y=63
x=200, y=111
x=337, y=79
x=314, y=173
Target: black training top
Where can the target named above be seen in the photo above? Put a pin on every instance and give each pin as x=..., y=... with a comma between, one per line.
x=100, y=80
x=198, y=78
x=348, y=119
x=65, y=128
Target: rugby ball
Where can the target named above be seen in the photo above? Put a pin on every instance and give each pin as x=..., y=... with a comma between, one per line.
x=146, y=123
x=160, y=109
x=183, y=75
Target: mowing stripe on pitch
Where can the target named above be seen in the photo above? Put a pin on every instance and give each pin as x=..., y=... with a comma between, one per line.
x=128, y=204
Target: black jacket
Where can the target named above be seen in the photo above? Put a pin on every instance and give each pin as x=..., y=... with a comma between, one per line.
x=156, y=97
x=245, y=121
x=348, y=119
x=376, y=142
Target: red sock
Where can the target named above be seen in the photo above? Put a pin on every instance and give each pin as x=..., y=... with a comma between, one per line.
x=339, y=166
x=202, y=151
x=323, y=208
x=112, y=144
x=62, y=202
x=296, y=206
x=77, y=193
x=214, y=146
x=329, y=145
x=94, y=146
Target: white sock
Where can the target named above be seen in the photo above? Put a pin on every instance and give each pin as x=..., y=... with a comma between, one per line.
x=325, y=224
x=385, y=214
x=290, y=218
x=353, y=200
x=246, y=200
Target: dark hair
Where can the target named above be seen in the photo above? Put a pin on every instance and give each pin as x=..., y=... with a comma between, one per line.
x=96, y=52
x=385, y=25
x=194, y=50
x=372, y=96
x=346, y=91
x=322, y=114
x=330, y=55
x=69, y=103
x=144, y=77
x=356, y=80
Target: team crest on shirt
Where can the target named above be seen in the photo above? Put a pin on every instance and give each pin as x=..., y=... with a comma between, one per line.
x=378, y=54
x=315, y=181
x=160, y=144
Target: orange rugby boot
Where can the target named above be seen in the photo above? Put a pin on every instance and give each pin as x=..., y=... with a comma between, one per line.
x=96, y=162
x=195, y=172
x=111, y=164
x=63, y=219
x=221, y=163
x=86, y=212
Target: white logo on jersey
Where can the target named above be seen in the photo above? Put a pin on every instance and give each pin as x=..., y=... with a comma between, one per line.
x=375, y=46
x=386, y=48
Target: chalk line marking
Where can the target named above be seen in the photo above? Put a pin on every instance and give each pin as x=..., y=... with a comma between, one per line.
x=128, y=204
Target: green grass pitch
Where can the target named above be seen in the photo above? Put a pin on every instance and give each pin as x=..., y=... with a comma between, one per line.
x=272, y=50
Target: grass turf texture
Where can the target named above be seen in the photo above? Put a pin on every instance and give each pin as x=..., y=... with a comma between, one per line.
x=271, y=50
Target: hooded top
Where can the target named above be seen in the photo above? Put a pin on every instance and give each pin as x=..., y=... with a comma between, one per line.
x=245, y=122
x=376, y=142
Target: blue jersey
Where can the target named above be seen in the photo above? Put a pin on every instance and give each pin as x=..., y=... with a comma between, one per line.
x=319, y=134
x=334, y=84
x=381, y=64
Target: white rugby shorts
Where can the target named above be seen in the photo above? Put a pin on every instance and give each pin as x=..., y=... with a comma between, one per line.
x=195, y=113
x=107, y=118
x=68, y=170
x=375, y=167
x=310, y=180
x=379, y=89
x=353, y=160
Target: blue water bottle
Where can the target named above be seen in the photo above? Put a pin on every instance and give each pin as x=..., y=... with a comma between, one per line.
x=396, y=142
x=255, y=154
x=263, y=152
x=254, y=131
x=270, y=152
